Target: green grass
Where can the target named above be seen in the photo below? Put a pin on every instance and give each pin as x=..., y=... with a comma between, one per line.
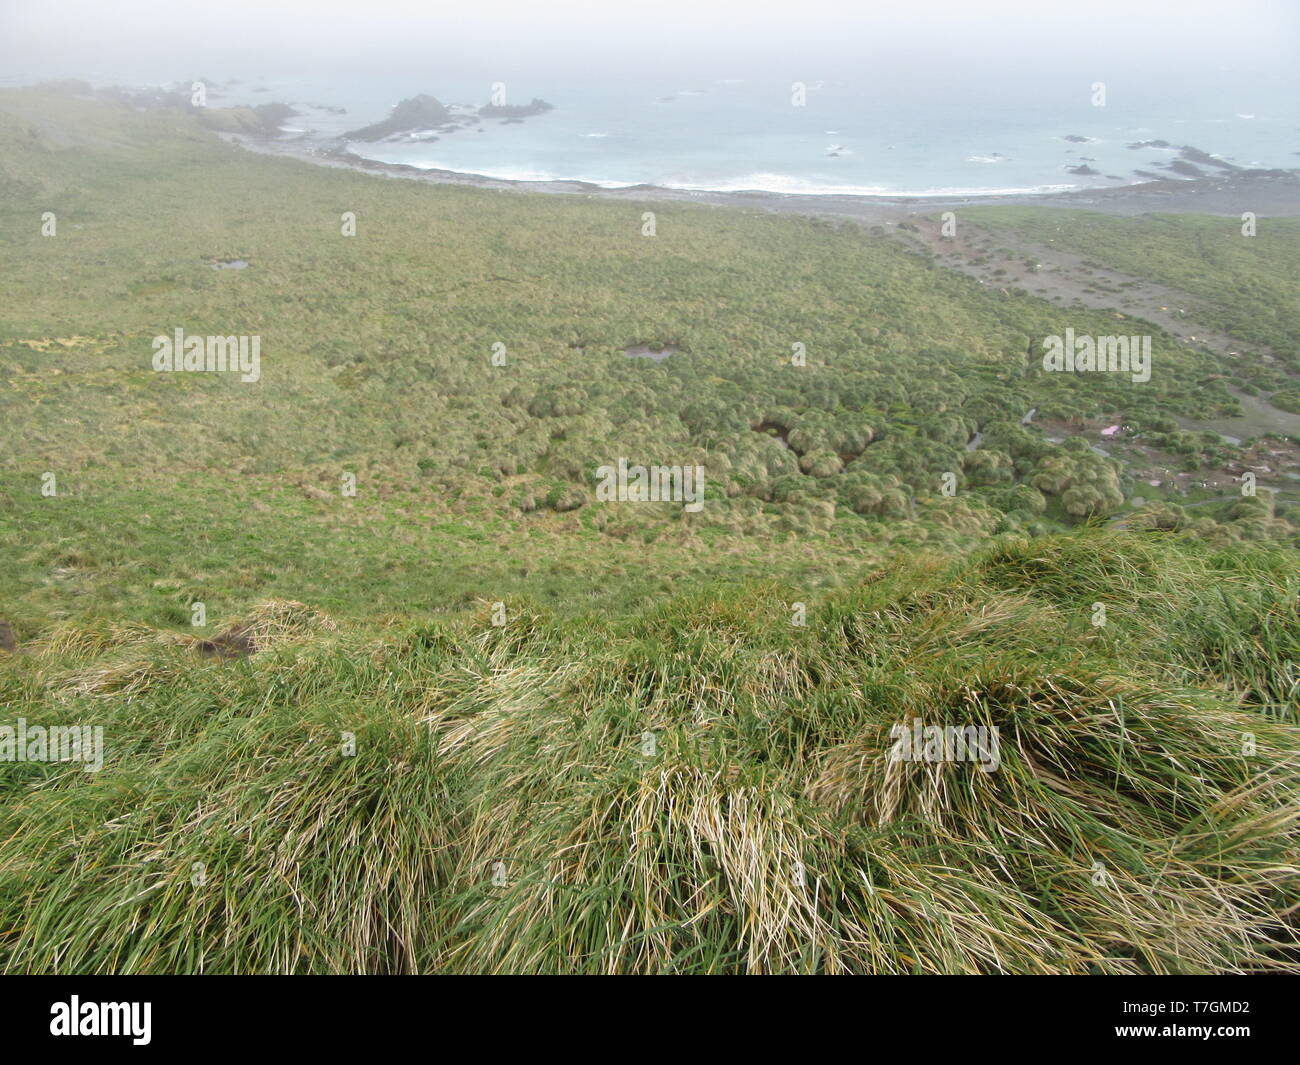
x=106, y=548
x=376, y=348
x=1130, y=828
x=505, y=809
x=1248, y=287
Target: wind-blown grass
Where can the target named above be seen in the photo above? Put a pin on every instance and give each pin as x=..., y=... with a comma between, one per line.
x=701, y=787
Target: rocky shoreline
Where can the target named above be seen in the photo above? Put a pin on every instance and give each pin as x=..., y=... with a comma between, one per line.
x=1263, y=192
x=424, y=116
x=1230, y=192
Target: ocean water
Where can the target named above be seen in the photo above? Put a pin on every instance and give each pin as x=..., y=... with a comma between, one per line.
x=895, y=131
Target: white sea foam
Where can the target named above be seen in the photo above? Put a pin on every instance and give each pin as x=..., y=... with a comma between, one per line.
x=763, y=181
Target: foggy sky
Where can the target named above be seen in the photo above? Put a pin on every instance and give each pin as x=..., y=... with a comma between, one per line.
x=179, y=40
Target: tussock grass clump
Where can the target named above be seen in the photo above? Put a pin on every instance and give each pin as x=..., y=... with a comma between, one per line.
x=1200, y=616
x=127, y=659
x=705, y=787
x=88, y=640
x=278, y=621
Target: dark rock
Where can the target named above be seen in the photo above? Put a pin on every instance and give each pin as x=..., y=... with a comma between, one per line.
x=419, y=112
x=233, y=643
x=516, y=111
x=1195, y=155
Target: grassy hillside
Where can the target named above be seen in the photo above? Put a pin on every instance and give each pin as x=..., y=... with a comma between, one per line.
x=376, y=361
x=1247, y=286
x=671, y=754
x=698, y=787
x=376, y=351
